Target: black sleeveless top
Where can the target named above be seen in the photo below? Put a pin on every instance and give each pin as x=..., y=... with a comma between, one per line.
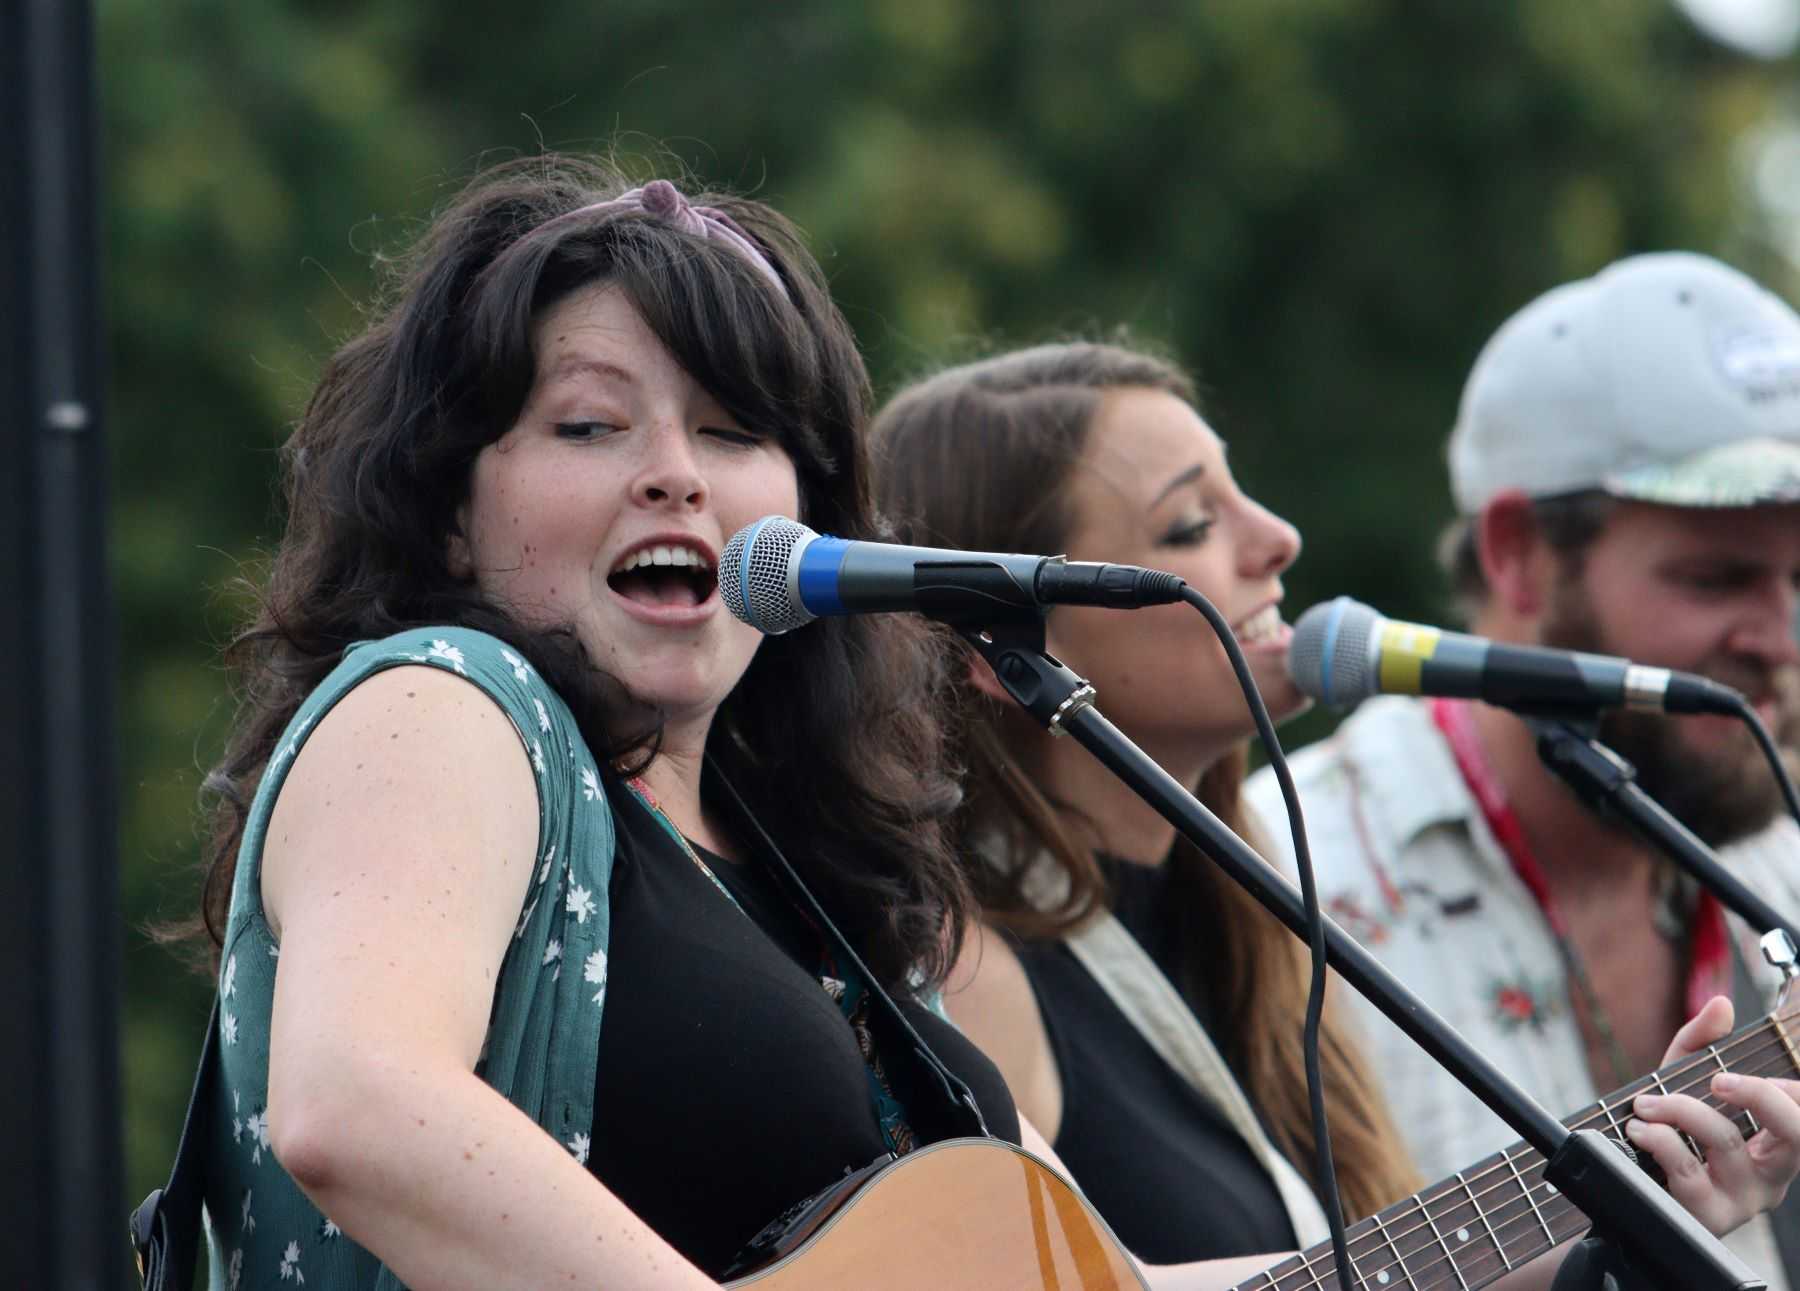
x=1160, y=1163
x=730, y=1085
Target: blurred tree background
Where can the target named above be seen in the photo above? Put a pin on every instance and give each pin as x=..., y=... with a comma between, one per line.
x=1324, y=206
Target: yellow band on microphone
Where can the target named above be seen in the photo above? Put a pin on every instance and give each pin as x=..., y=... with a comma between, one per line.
x=1404, y=649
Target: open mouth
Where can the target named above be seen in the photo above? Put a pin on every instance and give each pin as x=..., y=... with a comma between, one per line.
x=664, y=576
x=1264, y=625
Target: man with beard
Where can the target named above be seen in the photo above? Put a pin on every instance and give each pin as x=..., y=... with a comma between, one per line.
x=1626, y=466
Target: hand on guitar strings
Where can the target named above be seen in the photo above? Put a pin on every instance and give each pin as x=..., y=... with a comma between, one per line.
x=1733, y=1177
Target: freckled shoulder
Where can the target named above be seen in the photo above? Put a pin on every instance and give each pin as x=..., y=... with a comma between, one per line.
x=412, y=759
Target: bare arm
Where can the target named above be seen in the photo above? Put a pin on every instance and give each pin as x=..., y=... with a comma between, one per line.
x=397, y=862
x=990, y=998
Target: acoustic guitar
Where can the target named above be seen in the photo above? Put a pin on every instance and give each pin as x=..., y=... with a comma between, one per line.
x=984, y=1215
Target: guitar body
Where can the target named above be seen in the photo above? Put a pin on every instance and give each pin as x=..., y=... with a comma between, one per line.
x=961, y=1215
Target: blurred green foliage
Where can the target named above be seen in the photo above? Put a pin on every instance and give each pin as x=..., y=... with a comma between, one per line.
x=1324, y=206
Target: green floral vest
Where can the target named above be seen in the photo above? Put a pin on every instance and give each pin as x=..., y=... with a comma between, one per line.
x=543, y=1038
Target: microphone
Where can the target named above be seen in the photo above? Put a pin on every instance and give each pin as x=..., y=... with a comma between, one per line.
x=1342, y=652
x=776, y=575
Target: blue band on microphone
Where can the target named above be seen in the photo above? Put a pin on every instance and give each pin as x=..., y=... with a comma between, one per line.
x=819, y=565
x=1331, y=635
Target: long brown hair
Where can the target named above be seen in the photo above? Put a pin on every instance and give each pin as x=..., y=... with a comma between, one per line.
x=380, y=462
x=982, y=457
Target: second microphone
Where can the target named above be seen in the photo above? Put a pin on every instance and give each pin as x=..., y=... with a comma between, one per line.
x=1343, y=652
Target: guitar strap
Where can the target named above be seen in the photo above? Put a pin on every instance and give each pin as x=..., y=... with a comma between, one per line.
x=1150, y=1002
x=934, y=1099
x=1783, y=1222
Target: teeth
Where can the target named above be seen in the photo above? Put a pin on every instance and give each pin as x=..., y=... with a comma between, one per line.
x=660, y=555
x=1264, y=625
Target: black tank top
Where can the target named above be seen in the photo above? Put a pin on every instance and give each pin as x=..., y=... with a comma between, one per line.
x=730, y=1085
x=1156, y=1158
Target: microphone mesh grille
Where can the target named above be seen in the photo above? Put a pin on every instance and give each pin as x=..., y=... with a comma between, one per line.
x=731, y=581
x=1329, y=655
x=754, y=582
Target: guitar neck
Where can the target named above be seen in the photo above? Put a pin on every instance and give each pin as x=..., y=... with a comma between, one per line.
x=1482, y=1222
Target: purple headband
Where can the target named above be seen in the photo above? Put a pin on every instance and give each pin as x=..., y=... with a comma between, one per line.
x=663, y=200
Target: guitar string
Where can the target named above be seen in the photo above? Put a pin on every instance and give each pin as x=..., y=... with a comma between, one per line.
x=1533, y=1218
x=1509, y=1163
x=1378, y=1238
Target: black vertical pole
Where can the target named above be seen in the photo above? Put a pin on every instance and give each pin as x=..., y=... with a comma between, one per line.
x=59, y=934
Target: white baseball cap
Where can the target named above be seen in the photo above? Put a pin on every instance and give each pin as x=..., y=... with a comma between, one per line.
x=1666, y=378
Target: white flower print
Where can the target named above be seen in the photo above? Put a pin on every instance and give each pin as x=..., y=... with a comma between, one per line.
x=249, y=1221
x=590, y=784
x=543, y=714
x=258, y=1126
x=228, y=979
x=580, y=903
x=235, y=1269
x=537, y=756
x=595, y=971
x=553, y=951
x=579, y=1146
x=290, y=1264
x=521, y=669
x=519, y=932
x=329, y=1232
x=549, y=859
x=274, y=952
x=228, y=1027
x=444, y=650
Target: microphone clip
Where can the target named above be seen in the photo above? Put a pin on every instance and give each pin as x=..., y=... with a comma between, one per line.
x=1607, y=783
x=1040, y=682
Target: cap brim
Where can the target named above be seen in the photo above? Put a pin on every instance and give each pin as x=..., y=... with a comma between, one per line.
x=1745, y=473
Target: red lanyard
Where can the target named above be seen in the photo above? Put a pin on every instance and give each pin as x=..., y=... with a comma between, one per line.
x=1709, y=963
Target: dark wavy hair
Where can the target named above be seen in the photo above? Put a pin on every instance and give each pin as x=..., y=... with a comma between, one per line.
x=983, y=457
x=380, y=462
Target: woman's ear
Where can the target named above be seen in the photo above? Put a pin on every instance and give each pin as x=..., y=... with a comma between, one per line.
x=456, y=546
x=1515, y=559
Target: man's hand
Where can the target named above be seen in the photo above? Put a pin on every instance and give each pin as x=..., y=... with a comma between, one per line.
x=1740, y=1177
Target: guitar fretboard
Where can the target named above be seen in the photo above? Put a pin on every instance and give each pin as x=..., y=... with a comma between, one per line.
x=1481, y=1223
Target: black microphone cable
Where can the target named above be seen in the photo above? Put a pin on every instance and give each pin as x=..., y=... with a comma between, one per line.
x=1315, y=932
x=1771, y=752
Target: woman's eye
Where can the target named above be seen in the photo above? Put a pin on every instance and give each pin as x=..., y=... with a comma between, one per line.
x=584, y=429
x=733, y=436
x=1188, y=534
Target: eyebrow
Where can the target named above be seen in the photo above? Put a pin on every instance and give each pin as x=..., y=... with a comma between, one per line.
x=574, y=364
x=1188, y=476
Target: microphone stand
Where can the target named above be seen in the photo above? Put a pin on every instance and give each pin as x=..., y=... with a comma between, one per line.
x=1608, y=783
x=1661, y=1238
